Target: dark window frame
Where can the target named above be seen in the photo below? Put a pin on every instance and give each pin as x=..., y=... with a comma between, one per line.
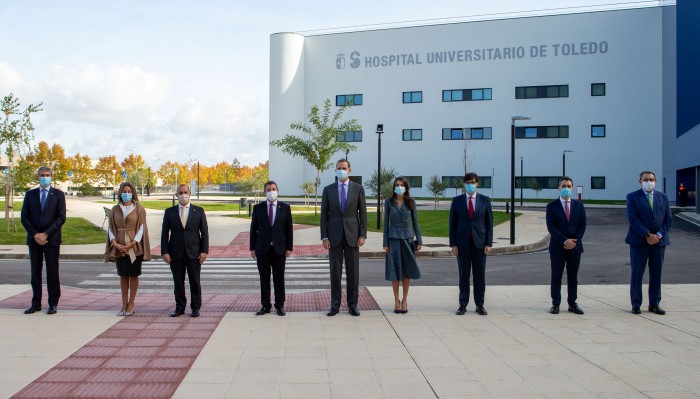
x=593, y=85
x=454, y=95
x=411, y=95
x=345, y=97
x=533, y=92
x=596, y=182
x=605, y=132
x=543, y=132
x=411, y=132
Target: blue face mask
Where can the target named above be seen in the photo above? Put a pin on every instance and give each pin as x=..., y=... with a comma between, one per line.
x=471, y=188
x=126, y=197
x=342, y=174
x=399, y=190
x=44, y=181
x=566, y=192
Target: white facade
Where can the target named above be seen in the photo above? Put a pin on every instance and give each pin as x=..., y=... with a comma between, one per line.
x=628, y=50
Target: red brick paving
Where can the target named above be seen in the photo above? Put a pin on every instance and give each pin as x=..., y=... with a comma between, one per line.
x=239, y=247
x=146, y=355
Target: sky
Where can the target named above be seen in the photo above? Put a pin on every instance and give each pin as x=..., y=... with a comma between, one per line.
x=185, y=80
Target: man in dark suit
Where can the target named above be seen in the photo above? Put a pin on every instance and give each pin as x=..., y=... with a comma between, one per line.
x=271, y=242
x=471, y=239
x=43, y=215
x=184, y=244
x=343, y=231
x=566, y=223
x=649, y=216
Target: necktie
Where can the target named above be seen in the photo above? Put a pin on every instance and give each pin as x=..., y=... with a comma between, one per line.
x=566, y=209
x=343, y=200
x=269, y=214
x=471, y=208
x=651, y=202
x=43, y=198
x=183, y=215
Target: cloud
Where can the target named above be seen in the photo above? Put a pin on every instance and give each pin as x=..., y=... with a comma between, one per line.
x=118, y=95
x=10, y=78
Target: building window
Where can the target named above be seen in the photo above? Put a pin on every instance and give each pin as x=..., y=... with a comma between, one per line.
x=453, y=181
x=356, y=179
x=554, y=91
x=597, y=130
x=414, y=181
x=348, y=99
x=597, y=89
x=538, y=182
x=598, y=182
x=350, y=136
x=467, y=133
x=412, y=134
x=412, y=97
x=466, y=95
x=542, y=132
x=484, y=181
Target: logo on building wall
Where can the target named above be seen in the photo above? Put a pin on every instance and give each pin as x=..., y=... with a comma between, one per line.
x=354, y=57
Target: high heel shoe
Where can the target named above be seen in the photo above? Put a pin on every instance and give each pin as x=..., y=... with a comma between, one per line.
x=121, y=313
x=397, y=307
x=403, y=311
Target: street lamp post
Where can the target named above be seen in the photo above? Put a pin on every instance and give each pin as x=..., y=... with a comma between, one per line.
x=148, y=186
x=521, y=181
x=380, y=130
x=512, y=174
x=563, y=162
x=114, y=184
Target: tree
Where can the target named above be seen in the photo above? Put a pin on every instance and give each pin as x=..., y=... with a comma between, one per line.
x=15, y=134
x=437, y=188
x=137, y=172
x=81, y=166
x=322, y=142
x=307, y=187
x=537, y=187
x=103, y=170
x=388, y=176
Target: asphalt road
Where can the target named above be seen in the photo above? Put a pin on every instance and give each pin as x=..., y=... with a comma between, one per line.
x=605, y=261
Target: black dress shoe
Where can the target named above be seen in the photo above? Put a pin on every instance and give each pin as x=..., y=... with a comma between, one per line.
x=461, y=310
x=281, y=312
x=554, y=309
x=177, y=312
x=636, y=310
x=32, y=310
x=657, y=310
x=480, y=310
x=354, y=312
x=332, y=312
x=262, y=311
x=52, y=310
x=575, y=309
x=195, y=313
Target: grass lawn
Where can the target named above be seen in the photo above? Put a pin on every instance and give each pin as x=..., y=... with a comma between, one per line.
x=432, y=223
x=74, y=231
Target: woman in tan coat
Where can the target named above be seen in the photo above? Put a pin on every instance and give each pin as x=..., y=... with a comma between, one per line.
x=127, y=243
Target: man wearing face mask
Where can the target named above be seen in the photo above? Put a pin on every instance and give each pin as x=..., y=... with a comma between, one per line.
x=43, y=215
x=566, y=223
x=271, y=242
x=184, y=245
x=649, y=216
x=343, y=232
x=471, y=239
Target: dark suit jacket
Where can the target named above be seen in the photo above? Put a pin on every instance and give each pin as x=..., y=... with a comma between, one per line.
x=481, y=227
x=280, y=235
x=643, y=220
x=49, y=221
x=400, y=223
x=352, y=222
x=561, y=229
x=191, y=240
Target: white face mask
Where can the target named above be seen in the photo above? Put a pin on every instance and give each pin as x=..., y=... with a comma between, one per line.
x=184, y=199
x=648, y=186
x=271, y=195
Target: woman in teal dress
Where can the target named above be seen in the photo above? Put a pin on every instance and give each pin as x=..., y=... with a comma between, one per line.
x=401, y=239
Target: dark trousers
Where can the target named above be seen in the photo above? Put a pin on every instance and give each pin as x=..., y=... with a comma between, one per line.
x=271, y=262
x=351, y=255
x=37, y=254
x=639, y=255
x=193, y=268
x=571, y=263
x=471, y=261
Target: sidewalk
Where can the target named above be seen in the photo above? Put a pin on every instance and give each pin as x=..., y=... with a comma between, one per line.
x=518, y=351
x=228, y=236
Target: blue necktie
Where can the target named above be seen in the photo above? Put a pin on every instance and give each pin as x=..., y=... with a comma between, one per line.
x=43, y=198
x=343, y=200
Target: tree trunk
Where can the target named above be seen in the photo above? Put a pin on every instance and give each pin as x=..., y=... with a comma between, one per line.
x=318, y=178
